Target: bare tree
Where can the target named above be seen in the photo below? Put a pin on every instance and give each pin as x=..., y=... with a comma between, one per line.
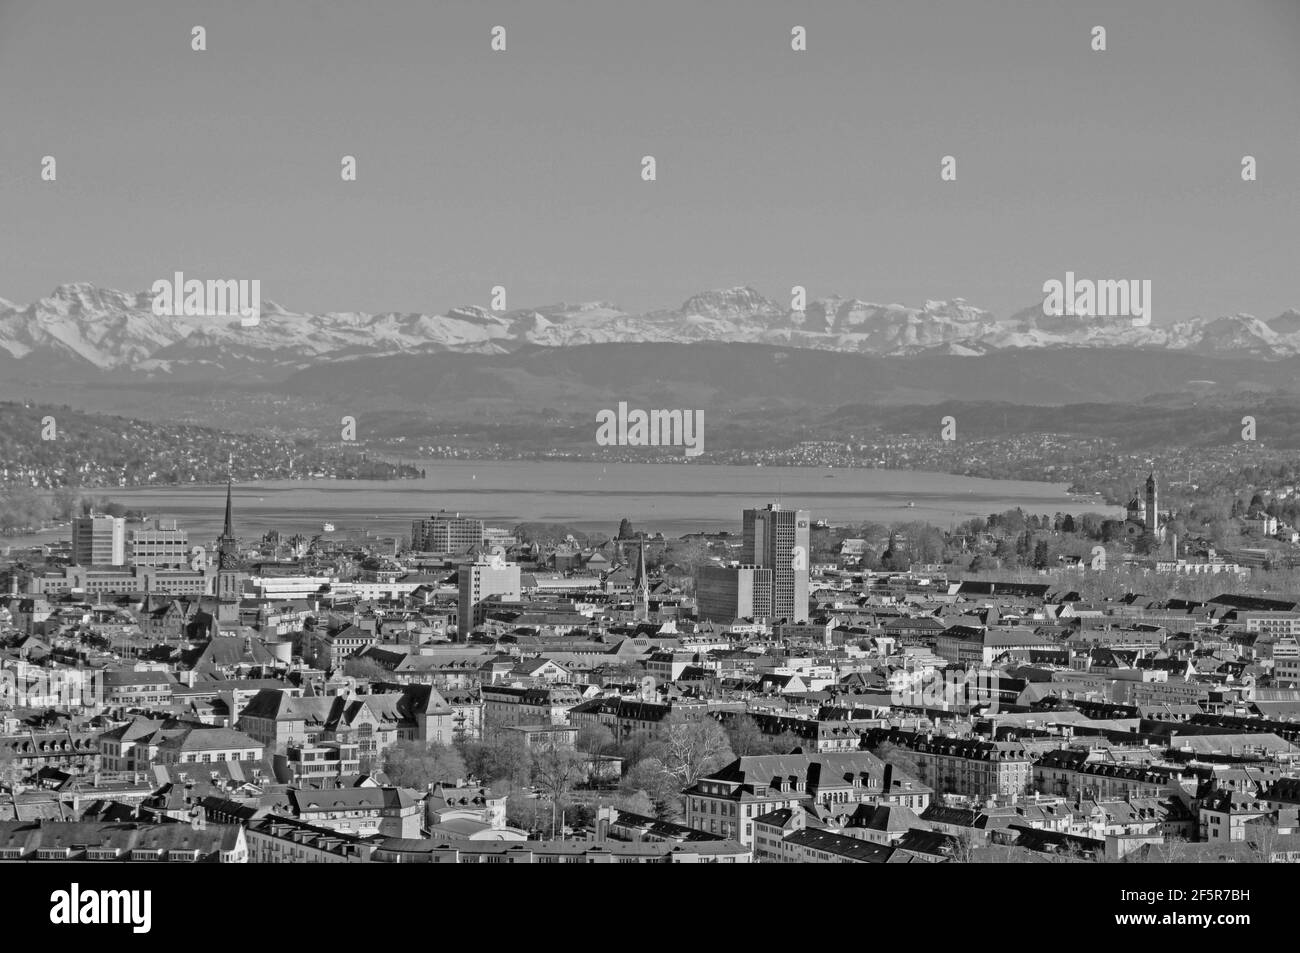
x=695, y=745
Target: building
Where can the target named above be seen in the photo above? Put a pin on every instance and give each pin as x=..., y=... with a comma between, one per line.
x=430, y=851
x=208, y=746
x=231, y=575
x=99, y=541
x=724, y=593
x=966, y=767
x=728, y=801
x=363, y=811
x=479, y=582
x=324, y=761
x=104, y=580
x=777, y=539
x=281, y=840
x=446, y=534
x=92, y=841
x=158, y=543
x=1142, y=518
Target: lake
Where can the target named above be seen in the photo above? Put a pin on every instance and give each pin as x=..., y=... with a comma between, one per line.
x=668, y=498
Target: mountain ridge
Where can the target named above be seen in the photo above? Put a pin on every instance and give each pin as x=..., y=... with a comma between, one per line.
x=83, y=328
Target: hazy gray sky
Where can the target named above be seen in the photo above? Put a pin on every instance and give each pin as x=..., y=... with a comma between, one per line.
x=775, y=168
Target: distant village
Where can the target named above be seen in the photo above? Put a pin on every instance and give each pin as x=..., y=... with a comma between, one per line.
x=789, y=693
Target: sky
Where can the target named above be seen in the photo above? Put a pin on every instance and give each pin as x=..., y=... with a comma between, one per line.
x=774, y=167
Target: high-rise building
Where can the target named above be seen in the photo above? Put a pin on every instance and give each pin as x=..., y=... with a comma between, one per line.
x=777, y=539
x=158, y=543
x=442, y=533
x=99, y=541
x=724, y=593
x=479, y=582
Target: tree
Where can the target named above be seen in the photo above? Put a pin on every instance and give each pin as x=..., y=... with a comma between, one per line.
x=895, y=558
x=503, y=758
x=410, y=765
x=651, y=778
x=746, y=737
x=625, y=530
x=901, y=758
x=594, y=739
x=695, y=745
x=524, y=811
x=367, y=669
x=638, y=802
x=555, y=771
x=1040, y=554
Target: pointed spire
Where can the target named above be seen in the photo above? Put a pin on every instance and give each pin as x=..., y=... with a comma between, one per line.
x=228, y=532
x=641, y=580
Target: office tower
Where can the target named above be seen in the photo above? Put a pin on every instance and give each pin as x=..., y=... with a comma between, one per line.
x=479, y=582
x=777, y=539
x=158, y=543
x=724, y=593
x=442, y=533
x=99, y=541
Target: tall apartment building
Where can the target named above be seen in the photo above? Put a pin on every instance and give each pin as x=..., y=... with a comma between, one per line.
x=777, y=539
x=99, y=541
x=442, y=533
x=158, y=543
x=479, y=581
x=724, y=593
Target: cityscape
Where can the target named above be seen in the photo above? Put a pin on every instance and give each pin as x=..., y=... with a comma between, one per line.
x=751, y=433
x=789, y=693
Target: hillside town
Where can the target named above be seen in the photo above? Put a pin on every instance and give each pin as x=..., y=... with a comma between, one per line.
x=475, y=694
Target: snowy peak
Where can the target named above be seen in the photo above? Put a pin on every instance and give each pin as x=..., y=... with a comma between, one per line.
x=82, y=324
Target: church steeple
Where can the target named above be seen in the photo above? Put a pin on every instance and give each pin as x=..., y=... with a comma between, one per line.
x=641, y=584
x=230, y=571
x=1152, y=507
x=228, y=532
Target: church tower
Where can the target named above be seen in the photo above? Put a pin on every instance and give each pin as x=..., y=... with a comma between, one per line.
x=1152, y=515
x=641, y=586
x=230, y=571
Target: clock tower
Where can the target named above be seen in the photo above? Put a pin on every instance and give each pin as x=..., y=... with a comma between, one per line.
x=230, y=570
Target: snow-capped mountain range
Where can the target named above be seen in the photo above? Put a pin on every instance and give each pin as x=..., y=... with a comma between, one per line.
x=81, y=324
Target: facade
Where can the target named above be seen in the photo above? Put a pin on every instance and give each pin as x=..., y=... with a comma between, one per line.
x=446, y=534
x=92, y=841
x=777, y=539
x=122, y=579
x=324, y=761
x=480, y=581
x=724, y=593
x=391, y=812
x=965, y=767
x=208, y=746
x=728, y=801
x=158, y=543
x=99, y=541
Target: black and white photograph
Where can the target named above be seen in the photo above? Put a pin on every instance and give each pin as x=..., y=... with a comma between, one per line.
x=681, y=432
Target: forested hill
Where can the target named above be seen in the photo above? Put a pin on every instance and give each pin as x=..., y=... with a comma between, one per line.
x=45, y=446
